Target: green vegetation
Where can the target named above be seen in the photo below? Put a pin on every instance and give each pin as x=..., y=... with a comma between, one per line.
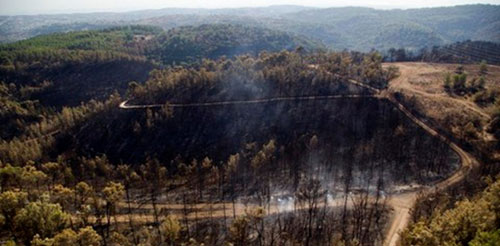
x=470, y=222
x=191, y=44
x=113, y=39
x=486, y=97
x=15, y=111
x=459, y=84
x=51, y=50
x=483, y=68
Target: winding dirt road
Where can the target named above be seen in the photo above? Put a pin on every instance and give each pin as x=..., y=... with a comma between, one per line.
x=402, y=205
x=401, y=202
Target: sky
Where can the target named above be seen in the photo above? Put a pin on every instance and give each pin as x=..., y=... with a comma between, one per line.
x=15, y=7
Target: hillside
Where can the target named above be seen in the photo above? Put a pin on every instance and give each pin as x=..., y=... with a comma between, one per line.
x=191, y=44
x=14, y=28
x=248, y=142
x=464, y=52
x=469, y=115
x=352, y=28
x=68, y=68
x=279, y=138
x=365, y=28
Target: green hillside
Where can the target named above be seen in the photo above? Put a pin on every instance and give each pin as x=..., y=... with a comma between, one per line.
x=192, y=43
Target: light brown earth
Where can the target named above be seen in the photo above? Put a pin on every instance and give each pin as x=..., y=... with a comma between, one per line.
x=424, y=83
x=426, y=79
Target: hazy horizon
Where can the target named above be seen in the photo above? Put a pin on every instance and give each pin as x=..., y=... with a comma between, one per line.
x=34, y=7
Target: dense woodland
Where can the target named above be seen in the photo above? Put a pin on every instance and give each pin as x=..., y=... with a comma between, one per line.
x=352, y=28
x=193, y=43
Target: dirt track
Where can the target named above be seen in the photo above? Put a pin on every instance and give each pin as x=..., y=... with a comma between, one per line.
x=402, y=202
x=124, y=105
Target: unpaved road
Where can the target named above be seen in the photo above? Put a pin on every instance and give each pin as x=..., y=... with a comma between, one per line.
x=401, y=202
x=402, y=205
x=124, y=105
x=218, y=210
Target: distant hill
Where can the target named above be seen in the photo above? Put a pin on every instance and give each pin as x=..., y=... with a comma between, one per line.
x=366, y=28
x=468, y=52
x=14, y=28
x=459, y=52
x=352, y=28
x=193, y=43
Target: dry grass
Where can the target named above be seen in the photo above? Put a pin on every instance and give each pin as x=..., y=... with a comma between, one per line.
x=429, y=76
x=426, y=79
x=424, y=83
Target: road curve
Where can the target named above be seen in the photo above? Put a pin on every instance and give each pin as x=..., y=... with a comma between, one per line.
x=402, y=213
x=401, y=203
